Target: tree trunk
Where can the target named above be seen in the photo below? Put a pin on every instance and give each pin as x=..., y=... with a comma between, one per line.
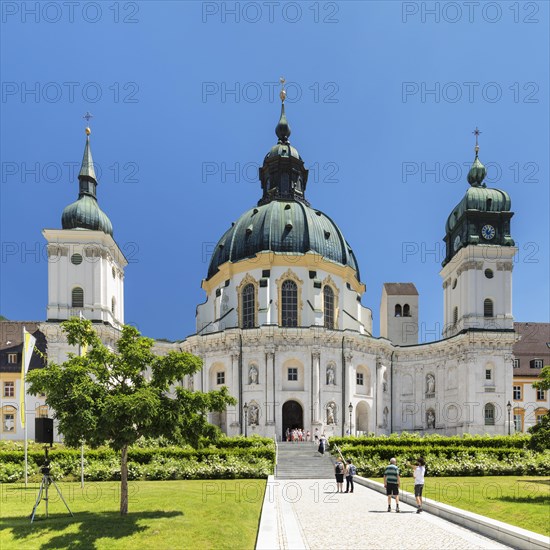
x=124, y=481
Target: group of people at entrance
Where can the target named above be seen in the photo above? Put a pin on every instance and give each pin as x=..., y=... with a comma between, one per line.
x=297, y=434
x=392, y=481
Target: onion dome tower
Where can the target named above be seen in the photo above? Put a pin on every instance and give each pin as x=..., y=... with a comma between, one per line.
x=86, y=266
x=85, y=213
x=477, y=269
x=481, y=217
x=281, y=233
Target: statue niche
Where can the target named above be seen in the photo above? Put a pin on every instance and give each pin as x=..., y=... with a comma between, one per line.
x=331, y=413
x=331, y=379
x=430, y=384
x=252, y=375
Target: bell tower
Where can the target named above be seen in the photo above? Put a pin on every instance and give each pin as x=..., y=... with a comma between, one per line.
x=477, y=270
x=85, y=264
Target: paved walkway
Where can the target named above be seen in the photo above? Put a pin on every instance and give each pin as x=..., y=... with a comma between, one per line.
x=308, y=513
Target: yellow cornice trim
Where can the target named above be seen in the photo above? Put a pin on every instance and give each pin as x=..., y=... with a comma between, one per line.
x=267, y=260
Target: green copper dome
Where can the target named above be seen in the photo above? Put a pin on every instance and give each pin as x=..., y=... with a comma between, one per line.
x=282, y=227
x=85, y=213
x=482, y=217
x=481, y=199
x=283, y=221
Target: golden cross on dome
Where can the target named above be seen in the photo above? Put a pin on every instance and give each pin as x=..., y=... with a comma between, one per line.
x=88, y=116
x=476, y=133
x=282, y=95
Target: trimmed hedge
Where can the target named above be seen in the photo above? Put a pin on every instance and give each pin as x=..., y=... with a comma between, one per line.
x=232, y=458
x=445, y=456
x=517, y=441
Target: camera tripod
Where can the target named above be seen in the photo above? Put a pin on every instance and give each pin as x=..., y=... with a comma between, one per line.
x=47, y=480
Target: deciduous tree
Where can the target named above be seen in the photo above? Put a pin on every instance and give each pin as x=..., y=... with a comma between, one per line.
x=116, y=396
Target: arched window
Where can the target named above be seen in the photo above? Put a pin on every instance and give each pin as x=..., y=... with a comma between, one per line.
x=406, y=310
x=77, y=297
x=398, y=312
x=113, y=305
x=8, y=418
x=328, y=306
x=289, y=305
x=488, y=308
x=248, y=306
x=455, y=316
x=489, y=414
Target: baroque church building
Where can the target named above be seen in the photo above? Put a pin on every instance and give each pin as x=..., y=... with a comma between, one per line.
x=283, y=326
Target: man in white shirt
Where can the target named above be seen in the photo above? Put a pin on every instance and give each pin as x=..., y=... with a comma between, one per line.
x=419, y=469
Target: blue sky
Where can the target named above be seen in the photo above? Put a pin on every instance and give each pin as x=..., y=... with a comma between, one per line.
x=382, y=100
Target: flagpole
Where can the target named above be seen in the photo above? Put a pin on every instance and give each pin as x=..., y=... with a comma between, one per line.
x=24, y=405
x=82, y=465
x=80, y=350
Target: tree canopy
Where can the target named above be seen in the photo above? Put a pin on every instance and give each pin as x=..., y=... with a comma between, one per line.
x=114, y=397
x=540, y=439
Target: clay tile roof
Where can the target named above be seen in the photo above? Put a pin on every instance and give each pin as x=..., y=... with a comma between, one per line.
x=400, y=289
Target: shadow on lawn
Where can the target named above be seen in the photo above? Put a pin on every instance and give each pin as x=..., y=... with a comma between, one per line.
x=540, y=481
x=539, y=499
x=91, y=527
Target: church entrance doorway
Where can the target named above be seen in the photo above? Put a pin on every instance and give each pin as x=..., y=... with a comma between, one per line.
x=293, y=416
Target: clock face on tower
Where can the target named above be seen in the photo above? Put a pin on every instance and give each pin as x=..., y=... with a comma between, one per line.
x=488, y=232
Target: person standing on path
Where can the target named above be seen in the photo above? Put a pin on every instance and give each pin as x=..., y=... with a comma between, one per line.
x=339, y=473
x=351, y=470
x=392, y=480
x=419, y=470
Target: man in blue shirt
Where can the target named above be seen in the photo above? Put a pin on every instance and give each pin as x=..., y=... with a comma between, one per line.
x=392, y=480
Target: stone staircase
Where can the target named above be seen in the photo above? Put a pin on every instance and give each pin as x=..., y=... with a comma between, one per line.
x=302, y=461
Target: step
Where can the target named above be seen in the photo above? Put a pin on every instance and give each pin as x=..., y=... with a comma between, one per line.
x=302, y=461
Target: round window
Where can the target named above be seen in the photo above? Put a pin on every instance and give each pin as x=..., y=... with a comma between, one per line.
x=489, y=273
x=76, y=259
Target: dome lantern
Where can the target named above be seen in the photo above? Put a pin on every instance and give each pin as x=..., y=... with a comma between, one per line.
x=283, y=175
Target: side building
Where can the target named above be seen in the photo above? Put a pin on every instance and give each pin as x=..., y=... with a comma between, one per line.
x=531, y=354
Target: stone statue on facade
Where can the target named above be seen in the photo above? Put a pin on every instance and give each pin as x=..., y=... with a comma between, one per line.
x=330, y=376
x=430, y=418
x=253, y=375
x=331, y=414
x=253, y=415
x=430, y=383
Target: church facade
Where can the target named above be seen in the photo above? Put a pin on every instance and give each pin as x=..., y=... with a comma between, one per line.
x=283, y=326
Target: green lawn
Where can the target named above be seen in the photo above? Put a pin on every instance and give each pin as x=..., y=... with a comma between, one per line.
x=162, y=514
x=521, y=501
